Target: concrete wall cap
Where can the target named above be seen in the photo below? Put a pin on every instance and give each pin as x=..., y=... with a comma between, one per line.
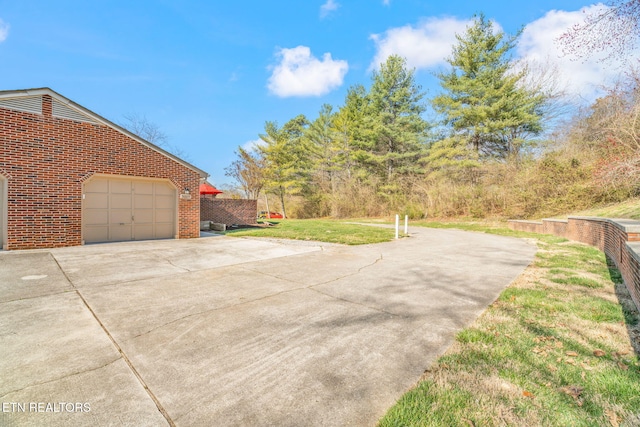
x=625, y=224
x=634, y=250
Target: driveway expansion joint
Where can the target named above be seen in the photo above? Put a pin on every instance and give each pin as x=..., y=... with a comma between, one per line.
x=118, y=348
x=285, y=360
x=132, y=368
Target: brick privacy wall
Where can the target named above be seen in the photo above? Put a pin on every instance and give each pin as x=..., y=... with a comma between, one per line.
x=527, y=226
x=557, y=227
x=45, y=161
x=547, y=226
x=618, y=239
x=228, y=211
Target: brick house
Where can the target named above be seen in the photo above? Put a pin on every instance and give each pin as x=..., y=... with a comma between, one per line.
x=69, y=177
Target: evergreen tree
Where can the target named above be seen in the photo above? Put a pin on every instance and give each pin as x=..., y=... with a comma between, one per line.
x=483, y=102
x=285, y=157
x=324, y=152
x=348, y=123
x=393, y=130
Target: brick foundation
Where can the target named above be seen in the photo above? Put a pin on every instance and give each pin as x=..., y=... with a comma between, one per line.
x=228, y=211
x=619, y=239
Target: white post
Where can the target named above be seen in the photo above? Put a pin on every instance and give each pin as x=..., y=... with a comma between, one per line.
x=397, y=225
x=406, y=225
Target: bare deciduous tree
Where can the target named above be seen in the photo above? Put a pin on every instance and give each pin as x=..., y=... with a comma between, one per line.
x=145, y=129
x=613, y=30
x=617, y=116
x=149, y=131
x=544, y=77
x=248, y=172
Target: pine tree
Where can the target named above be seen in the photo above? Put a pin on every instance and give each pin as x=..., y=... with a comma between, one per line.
x=483, y=102
x=393, y=130
x=323, y=149
x=285, y=158
x=348, y=124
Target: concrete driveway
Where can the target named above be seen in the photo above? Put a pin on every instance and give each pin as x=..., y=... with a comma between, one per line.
x=227, y=331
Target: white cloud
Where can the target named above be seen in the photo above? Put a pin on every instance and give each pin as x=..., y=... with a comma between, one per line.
x=425, y=45
x=252, y=145
x=4, y=30
x=580, y=77
x=301, y=74
x=328, y=7
x=386, y=2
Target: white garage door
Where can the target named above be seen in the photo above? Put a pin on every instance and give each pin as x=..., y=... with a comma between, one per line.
x=116, y=209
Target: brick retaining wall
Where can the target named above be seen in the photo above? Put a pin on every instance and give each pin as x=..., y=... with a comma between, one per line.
x=619, y=239
x=228, y=211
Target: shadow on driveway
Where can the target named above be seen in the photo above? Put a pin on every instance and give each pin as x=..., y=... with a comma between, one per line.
x=230, y=331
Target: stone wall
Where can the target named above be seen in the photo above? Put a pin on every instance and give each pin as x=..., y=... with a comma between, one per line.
x=619, y=239
x=228, y=211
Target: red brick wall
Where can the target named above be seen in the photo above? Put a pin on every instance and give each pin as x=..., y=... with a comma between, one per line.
x=228, y=211
x=559, y=228
x=528, y=226
x=46, y=159
x=618, y=239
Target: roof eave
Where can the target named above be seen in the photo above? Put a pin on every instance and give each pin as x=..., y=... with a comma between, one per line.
x=100, y=119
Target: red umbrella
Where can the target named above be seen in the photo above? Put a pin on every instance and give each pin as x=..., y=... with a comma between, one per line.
x=206, y=188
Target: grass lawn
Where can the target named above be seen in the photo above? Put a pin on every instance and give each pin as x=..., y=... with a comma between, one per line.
x=555, y=349
x=559, y=347
x=629, y=209
x=321, y=230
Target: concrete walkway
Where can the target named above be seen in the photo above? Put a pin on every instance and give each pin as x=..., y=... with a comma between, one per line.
x=227, y=331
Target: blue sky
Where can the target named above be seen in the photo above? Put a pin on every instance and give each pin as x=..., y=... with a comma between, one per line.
x=210, y=73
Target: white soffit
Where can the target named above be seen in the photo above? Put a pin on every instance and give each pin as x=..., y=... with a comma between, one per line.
x=31, y=104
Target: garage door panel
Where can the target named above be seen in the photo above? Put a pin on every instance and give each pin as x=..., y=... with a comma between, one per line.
x=96, y=233
x=117, y=209
x=119, y=217
x=119, y=233
x=143, y=232
x=2, y=210
x=164, y=216
x=96, y=200
x=96, y=217
x=120, y=201
x=165, y=202
x=162, y=188
x=143, y=216
x=141, y=187
x=164, y=231
x=119, y=186
x=97, y=186
x=144, y=201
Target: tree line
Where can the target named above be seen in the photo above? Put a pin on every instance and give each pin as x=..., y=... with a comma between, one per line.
x=377, y=154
